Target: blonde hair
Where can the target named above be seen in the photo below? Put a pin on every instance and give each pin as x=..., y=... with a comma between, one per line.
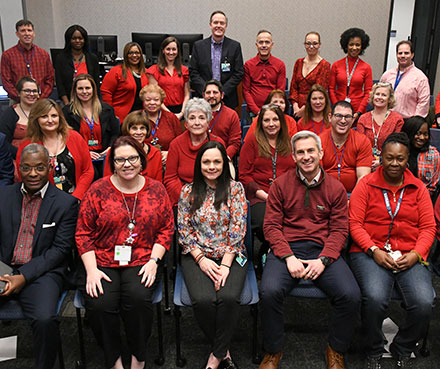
x=75, y=103
x=392, y=98
x=152, y=88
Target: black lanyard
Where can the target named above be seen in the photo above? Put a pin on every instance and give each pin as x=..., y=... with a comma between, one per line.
x=388, y=206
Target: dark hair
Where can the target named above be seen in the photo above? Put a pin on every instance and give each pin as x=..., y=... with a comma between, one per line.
x=344, y=104
x=396, y=137
x=23, y=22
x=198, y=192
x=213, y=82
x=403, y=42
x=127, y=141
x=23, y=80
x=126, y=64
x=217, y=12
x=308, y=112
x=136, y=118
x=161, y=61
x=277, y=92
x=352, y=33
x=68, y=37
x=411, y=127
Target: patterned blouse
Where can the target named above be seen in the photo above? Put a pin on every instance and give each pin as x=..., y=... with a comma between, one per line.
x=428, y=163
x=213, y=232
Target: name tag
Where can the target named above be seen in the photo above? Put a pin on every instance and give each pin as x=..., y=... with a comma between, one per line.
x=122, y=254
x=241, y=259
x=348, y=99
x=226, y=67
x=93, y=142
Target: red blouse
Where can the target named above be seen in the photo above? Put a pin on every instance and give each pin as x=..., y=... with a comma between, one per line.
x=168, y=128
x=313, y=126
x=291, y=126
x=173, y=85
x=86, y=133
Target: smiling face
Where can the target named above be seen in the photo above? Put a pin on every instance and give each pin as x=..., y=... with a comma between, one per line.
x=354, y=47
x=134, y=55
x=404, y=56
x=394, y=162
x=26, y=35
x=197, y=124
x=84, y=90
x=312, y=44
x=34, y=170
x=279, y=101
x=29, y=93
x=211, y=166
x=212, y=95
x=138, y=132
x=264, y=45
x=307, y=156
x=317, y=101
x=421, y=137
x=271, y=124
x=170, y=51
x=218, y=26
x=49, y=122
x=77, y=40
x=381, y=97
x=341, y=120
x=152, y=102
x=127, y=171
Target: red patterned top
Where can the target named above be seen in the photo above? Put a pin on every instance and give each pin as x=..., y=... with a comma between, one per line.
x=103, y=220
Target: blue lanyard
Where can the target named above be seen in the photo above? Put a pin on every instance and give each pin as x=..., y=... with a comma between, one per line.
x=349, y=76
x=153, y=132
x=313, y=125
x=90, y=124
x=216, y=118
x=339, y=161
x=398, y=78
x=28, y=62
x=388, y=206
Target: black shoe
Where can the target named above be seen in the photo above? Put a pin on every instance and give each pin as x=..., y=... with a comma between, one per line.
x=227, y=363
x=372, y=363
x=404, y=362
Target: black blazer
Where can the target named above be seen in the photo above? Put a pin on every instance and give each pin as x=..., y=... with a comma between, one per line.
x=64, y=70
x=54, y=234
x=110, y=127
x=200, y=68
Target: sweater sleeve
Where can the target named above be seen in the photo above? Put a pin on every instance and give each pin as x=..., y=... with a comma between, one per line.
x=109, y=85
x=426, y=224
x=172, y=182
x=332, y=84
x=84, y=171
x=247, y=90
x=234, y=142
x=368, y=85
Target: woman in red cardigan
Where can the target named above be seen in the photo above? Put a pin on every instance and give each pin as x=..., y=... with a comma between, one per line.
x=265, y=155
x=72, y=169
x=351, y=79
x=137, y=125
x=184, y=148
x=122, y=84
x=392, y=225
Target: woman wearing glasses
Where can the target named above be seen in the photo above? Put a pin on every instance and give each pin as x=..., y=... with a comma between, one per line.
x=125, y=226
x=122, y=84
x=379, y=123
x=307, y=71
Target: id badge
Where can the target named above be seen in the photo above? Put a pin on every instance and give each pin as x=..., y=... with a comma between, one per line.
x=93, y=142
x=395, y=254
x=348, y=99
x=226, y=67
x=123, y=254
x=59, y=180
x=241, y=260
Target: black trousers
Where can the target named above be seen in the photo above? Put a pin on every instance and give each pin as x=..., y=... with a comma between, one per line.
x=338, y=283
x=257, y=220
x=216, y=312
x=125, y=297
x=39, y=301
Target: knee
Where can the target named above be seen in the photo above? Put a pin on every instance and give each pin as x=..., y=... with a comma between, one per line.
x=422, y=306
x=375, y=300
x=44, y=322
x=270, y=292
x=203, y=302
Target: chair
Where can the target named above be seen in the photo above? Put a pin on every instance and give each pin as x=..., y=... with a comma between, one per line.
x=435, y=138
x=249, y=296
x=244, y=131
x=11, y=310
x=78, y=303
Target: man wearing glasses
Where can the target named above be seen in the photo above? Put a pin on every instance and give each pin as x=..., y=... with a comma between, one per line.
x=347, y=153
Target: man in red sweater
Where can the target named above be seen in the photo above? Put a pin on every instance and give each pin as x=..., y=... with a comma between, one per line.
x=225, y=122
x=306, y=224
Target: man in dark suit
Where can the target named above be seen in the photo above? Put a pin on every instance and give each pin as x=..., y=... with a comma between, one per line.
x=217, y=57
x=6, y=163
x=37, y=230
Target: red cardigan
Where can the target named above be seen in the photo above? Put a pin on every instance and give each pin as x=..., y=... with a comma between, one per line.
x=154, y=167
x=180, y=164
x=414, y=224
x=119, y=92
x=84, y=172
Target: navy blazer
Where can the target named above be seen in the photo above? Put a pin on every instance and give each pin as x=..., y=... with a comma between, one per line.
x=200, y=68
x=54, y=234
x=6, y=163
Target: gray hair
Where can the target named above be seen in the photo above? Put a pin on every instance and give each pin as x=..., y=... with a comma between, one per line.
x=305, y=134
x=34, y=148
x=196, y=104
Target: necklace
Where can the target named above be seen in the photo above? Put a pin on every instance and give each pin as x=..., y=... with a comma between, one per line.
x=22, y=110
x=131, y=220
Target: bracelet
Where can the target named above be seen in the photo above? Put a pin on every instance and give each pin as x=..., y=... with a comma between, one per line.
x=198, y=262
x=227, y=266
x=198, y=256
x=421, y=261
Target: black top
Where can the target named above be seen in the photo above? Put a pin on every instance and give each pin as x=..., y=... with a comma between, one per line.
x=8, y=122
x=137, y=104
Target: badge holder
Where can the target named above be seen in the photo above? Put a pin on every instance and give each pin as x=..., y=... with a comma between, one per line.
x=241, y=259
x=123, y=252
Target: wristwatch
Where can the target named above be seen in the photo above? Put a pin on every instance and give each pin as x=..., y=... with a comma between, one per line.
x=326, y=261
x=157, y=260
x=371, y=250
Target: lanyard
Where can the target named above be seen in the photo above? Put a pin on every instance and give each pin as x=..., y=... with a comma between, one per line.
x=28, y=62
x=274, y=165
x=398, y=78
x=153, y=132
x=76, y=66
x=388, y=206
x=90, y=124
x=337, y=159
x=349, y=76
x=313, y=125
x=216, y=118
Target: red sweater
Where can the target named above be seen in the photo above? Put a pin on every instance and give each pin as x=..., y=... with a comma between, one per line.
x=168, y=129
x=120, y=92
x=227, y=127
x=324, y=220
x=84, y=172
x=313, y=126
x=414, y=224
x=291, y=126
x=103, y=220
x=256, y=172
x=180, y=164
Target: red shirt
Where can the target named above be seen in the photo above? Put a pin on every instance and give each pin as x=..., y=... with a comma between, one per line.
x=260, y=78
x=13, y=67
x=300, y=85
x=256, y=172
x=180, y=164
x=173, y=85
x=226, y=125
x=313, y=126
x=360, y=85
x=413, y=226
x=356, y=152
x=291, y=126
x=168, y=129
x=86, y=132
x=103, y=220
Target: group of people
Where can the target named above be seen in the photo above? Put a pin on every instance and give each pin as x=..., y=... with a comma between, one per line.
x=309, y=179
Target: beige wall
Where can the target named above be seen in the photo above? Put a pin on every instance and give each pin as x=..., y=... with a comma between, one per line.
x=288, y=21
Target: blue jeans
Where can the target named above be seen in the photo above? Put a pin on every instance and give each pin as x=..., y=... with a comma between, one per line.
x=377, y=284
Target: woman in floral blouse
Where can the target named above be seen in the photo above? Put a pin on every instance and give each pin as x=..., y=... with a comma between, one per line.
x=212, y=224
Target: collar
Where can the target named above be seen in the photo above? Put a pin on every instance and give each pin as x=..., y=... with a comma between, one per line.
x=406, y=69
x=20, y=46
x=213, y=42
x=41, y=192
x=267, y=61
x=377, y=179
x=219, y=107
x=314, y=180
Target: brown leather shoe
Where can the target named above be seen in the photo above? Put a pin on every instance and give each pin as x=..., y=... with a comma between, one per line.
x=271, y=361
x=334, y=359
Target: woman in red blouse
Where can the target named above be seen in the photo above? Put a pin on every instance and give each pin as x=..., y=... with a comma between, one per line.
x=351, y=79
x=212, y=226
x=125, y=226
x=379, y=123
x=310, y=70
x=264, y=156
x=172, y=76
x=137, y=125
x=317, y=111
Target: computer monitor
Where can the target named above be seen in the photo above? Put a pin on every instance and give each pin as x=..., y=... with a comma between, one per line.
x=103, y=45
x=150, y=44
x=186, y=42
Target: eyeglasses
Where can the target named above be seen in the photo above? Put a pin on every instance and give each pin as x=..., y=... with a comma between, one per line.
x=348, y=117
x=28, y=168
x=134, y=53
x=30, y=92
x=131, y=159
x=310, y=44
